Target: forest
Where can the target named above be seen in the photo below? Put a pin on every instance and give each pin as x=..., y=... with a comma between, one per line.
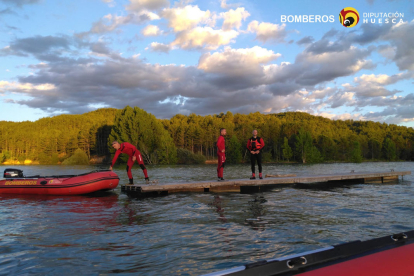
x=289, y=137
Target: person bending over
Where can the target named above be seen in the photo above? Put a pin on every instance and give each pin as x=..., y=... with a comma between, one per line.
x=134, y=155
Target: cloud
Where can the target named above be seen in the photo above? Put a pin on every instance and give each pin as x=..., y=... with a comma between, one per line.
x=370, y=86
x=151, y=30
x=237, y=61
x=7, y=11
x=305, y=40
x=330, y=33
x=111, y=22
x=240, y=80
x=399, y=39
x=382, y=79
x=203, y=38
x=35, y=45
x=194, y=28
x=138, y=5
x=234, y=18
x=401, y=36
x=386, y=51
x=57, y=49
x=25, y=87
x=398, y=110
x=344, y=116
x=313, y=68
x=186, y=18
x=159, y=47
x=341, y=99
x=267, y=31
x=20, y=2
x=111, y=3
x=224, y=5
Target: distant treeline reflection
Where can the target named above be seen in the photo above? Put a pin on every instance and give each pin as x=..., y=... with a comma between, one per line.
x=290, y=136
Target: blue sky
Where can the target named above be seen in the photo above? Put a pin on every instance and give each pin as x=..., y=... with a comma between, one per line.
x=205, y=57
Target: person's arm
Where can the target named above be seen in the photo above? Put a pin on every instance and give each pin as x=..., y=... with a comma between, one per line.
x=117, y=153
x=249, y=147
x=262, y=142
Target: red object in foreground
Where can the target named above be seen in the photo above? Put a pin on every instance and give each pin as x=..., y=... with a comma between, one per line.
x=60, y=184
x=395, y=261
x=390, y=255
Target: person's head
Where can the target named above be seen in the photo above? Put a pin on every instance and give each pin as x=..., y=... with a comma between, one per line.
x=116, y=145
x=254, y=132
x=223, y=131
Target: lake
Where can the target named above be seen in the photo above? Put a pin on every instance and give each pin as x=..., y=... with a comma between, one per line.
x=194, y=233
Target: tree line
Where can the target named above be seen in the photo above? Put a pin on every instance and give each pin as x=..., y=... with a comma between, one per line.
x=289, y=137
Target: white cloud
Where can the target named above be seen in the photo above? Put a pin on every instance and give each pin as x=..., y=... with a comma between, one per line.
x=185, y=18
x=340, y=99
x=224, y=5
x=151, y=30
x=382, y=79
x=159, y=47
x=6, y=86
x=237, y=61
x=112, y=22
x=387, y=51
x=234, y=18
x=267, y=31
x=138, y=5
x=111, y=3
x=344, y=116
x=203, y=37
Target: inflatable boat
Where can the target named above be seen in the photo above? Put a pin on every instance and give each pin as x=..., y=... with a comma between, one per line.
x=15, y=183
x=389, y=255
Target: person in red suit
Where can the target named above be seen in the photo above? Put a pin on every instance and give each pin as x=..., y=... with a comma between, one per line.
x=255, y=146
x=134, y=155
x=221, y=154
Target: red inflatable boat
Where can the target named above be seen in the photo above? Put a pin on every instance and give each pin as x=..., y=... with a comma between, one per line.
x=15, y=183
x=391, y=255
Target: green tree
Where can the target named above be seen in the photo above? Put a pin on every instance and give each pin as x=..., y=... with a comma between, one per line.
x=303, y=144
x=313, y=155
x=147, y=133
x=356, y=155
x=233, y=151
x=389, y=149
x=287, y=150
x=79, y=157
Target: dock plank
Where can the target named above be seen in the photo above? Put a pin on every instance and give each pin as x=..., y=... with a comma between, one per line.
x=241, y=184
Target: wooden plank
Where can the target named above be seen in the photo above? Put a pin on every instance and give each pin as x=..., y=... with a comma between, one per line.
x=247, y=185
x=280, y=175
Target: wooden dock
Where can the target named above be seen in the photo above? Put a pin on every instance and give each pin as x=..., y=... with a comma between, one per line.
x=259, y=185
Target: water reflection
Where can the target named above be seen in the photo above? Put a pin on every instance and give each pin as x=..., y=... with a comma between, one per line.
x=218, y=203
x=133, y=212
x=194, y=233
x=258, y=209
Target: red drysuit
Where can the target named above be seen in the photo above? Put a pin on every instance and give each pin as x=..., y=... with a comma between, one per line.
x=129, y=149
x=221, y=156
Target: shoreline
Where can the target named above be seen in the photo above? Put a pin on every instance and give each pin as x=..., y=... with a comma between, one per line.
x=211, y=162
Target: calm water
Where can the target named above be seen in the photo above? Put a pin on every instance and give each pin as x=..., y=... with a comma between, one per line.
x=193, y=234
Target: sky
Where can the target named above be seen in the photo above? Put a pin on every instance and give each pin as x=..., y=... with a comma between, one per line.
x=207, y=57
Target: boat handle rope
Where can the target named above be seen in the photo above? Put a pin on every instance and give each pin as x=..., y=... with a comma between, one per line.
x=293, y=262
x=398, y=237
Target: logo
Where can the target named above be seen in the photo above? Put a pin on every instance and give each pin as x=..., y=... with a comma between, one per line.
x=349, y=17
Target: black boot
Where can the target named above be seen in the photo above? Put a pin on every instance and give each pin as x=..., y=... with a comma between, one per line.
x=147, y=180
x=131, y=181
